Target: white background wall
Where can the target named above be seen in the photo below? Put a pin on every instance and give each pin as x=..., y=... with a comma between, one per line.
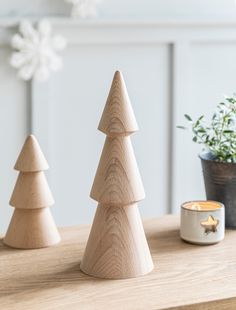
x=124, y=8
x=171, y=68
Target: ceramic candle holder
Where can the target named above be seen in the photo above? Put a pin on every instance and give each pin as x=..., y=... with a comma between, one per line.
x=202, y=222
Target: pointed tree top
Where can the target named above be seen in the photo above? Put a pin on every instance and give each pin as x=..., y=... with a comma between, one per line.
x=31, y=157
x=118, y=116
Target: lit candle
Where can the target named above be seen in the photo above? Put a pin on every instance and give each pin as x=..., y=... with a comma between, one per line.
x=202, y=222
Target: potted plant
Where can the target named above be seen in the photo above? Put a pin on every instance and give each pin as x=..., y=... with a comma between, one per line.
x=218, y=158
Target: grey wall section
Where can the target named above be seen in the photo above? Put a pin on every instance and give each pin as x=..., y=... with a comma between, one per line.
x=170, y=67
x=14, y=120
x=78, y=143
x=124, y=8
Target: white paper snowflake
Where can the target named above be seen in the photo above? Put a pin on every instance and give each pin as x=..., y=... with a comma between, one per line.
x=35, y=54
x=84, y=8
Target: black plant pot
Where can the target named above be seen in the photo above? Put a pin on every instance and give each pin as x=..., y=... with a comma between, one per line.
x=220, y=185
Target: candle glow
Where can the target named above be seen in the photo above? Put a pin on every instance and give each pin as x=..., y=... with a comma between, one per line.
x=202, y=205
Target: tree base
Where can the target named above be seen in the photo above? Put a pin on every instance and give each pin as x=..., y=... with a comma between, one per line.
x=32, y=229
x=117, y=247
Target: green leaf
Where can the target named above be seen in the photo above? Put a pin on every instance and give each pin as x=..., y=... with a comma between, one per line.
x=188, y=117
x=219, y=136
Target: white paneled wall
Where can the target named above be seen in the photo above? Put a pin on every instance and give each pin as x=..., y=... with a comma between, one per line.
x=78, y=108
x=124, y=8
x=171, y=67
x=206, y=74
x=14, y=120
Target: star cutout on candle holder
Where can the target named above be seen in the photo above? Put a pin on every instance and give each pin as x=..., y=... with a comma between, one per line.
x=210, y=224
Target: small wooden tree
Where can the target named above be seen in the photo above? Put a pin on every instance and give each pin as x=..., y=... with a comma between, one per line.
x=32, y=225
x=117, y=246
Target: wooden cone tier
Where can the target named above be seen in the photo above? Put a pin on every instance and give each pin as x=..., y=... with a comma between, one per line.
x=118, y=115
x=117, y=246
x=32, y=225
x=31, y=157
x=117, y=180
x=32, y=229
x=31, y=191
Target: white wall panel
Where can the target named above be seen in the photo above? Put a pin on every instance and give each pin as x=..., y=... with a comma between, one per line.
x=171, y=67
x=79, y=94
x=208, y=74
x=124, y=8
x=14, y=120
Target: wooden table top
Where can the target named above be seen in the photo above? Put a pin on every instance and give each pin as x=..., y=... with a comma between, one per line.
x=201, y=276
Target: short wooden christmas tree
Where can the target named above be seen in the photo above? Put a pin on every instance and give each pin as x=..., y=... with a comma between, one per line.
x=32, y=225
x=117, y=246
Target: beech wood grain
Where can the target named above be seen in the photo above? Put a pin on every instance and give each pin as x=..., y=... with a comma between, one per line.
x=31, y=157
x=185, y=276
x=117, y=246
x=32, y=225
x=118, y=116
x=117, y=180
x=32, y=229
x=31, y=191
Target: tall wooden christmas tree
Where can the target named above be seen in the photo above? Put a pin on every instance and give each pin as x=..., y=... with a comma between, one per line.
x=117, y=246
x=32, y=225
